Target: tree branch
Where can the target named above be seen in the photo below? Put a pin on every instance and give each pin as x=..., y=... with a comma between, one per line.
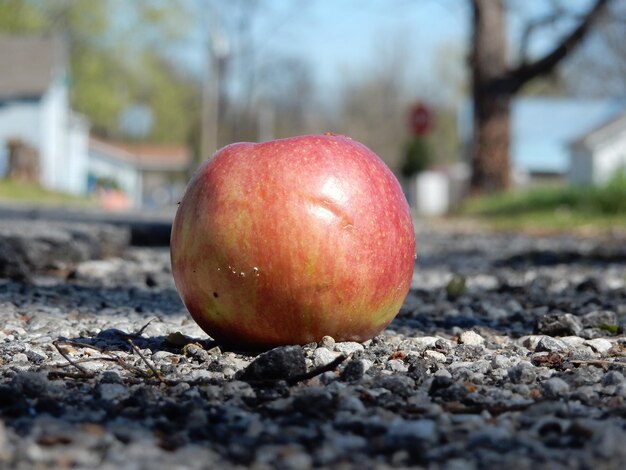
x=531, y=28
x=517, y=77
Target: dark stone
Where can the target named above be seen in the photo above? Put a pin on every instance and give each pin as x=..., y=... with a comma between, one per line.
x=30, y=384
x=353, y=371
x=418, y=371
x=49, y=405
x=111, y=377
x=456, y=392
x=590, y=284
x=314, y=402
x=439, y=383
x=280, y=363
x=12, y=402
x=559, y=324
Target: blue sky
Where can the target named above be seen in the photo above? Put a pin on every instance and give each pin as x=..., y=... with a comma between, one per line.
x=339, y=37
x=346, y=36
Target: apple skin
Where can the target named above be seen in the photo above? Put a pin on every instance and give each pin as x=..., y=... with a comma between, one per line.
x=286, y=241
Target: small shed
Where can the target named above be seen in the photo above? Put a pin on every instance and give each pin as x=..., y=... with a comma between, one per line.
x=598, y=155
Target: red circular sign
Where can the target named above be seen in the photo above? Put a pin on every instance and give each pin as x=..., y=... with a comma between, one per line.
x=420, y=119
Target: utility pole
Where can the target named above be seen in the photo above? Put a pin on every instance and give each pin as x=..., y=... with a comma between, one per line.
x=216, y=52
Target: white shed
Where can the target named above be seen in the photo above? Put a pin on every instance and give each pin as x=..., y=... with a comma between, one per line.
x=600, y=154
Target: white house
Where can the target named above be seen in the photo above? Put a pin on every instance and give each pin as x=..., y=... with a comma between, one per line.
x=552, y=138
x=148, y=174
x=542, y=129
x=596, y=156
x=34, y=108
x=35, y=111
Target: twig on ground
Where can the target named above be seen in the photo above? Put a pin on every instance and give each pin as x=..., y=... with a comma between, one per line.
x=143, y=358
x=140, y=331
x=68, y=359
x=60, y=374
x=108, y=356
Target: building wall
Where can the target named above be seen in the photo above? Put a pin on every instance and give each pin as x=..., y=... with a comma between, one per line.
x=20, y=119
x=77, y=166
x=59, y=136
x=124, y=174
x=53, y=144
x=609, y=158
x=581, y=166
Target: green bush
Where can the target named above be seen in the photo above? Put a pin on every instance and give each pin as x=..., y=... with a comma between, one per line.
x=417, y=157
x=609, y=199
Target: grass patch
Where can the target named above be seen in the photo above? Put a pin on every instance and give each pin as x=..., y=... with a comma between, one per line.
x=554, y=207
x=15, y=191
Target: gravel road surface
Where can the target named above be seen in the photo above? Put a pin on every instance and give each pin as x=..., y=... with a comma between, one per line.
x=508, y=353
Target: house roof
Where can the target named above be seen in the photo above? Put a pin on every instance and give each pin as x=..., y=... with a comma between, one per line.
x=28, y=64
x=601, y=133
x=144, y=156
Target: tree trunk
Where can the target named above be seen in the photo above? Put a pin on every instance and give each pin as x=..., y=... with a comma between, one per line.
x=492, y=98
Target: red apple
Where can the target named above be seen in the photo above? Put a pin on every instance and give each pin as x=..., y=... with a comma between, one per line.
x=286, y=241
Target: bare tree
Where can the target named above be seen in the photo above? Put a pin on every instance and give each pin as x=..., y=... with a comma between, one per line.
x=495, y=82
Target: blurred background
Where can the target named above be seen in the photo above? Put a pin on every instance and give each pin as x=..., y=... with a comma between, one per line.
x=504, y=110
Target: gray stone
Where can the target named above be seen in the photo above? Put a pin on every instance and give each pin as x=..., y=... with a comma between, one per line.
x=559, y=324
x=418, y=344
x=522, y=373
x=29, y=247
x=409, y=433
x=600, y=318
x=612, y=377
x=549, y=344
x=554, y=387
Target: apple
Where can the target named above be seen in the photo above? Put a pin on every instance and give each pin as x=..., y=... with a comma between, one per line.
x=284, y=242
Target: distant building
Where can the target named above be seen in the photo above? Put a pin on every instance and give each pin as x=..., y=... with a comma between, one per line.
x=149, y=175
x=542, y=129
x=599, y=154
x=438, y=190
x=553, y=140
x=35, y=110
x=53, y=141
